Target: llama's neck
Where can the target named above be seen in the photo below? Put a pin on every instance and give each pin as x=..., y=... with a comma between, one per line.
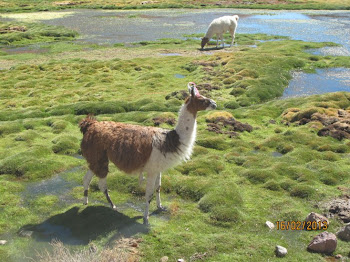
x=186, y=126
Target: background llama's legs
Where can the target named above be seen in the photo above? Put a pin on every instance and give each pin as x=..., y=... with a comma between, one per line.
x=151, y=179
x=86, y=182
x=102, y=184
x=217, y=40
x=233, y=34
x=222, y=40
x=141, y=178
x=158, y=184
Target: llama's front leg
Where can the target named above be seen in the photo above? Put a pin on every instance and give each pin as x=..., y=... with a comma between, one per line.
x=158, y=184
x=222, y=41
x=141, y=178
x=151, y=179
x=233, y=34
x=86, y=182
x=102, y=184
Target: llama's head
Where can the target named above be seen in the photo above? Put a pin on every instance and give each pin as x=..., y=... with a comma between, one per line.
x=205, y=40
x=196, y=102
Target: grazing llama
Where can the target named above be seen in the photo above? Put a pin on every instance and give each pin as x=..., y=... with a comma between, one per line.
x=219, y=26
x=137, y=149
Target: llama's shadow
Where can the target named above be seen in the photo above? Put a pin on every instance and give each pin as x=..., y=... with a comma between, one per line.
x=77, y=228
x=211, y=48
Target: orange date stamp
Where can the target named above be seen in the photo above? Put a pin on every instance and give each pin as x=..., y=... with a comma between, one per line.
x=301, y=225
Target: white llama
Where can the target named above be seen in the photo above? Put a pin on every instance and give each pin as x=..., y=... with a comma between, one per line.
x=219, y=26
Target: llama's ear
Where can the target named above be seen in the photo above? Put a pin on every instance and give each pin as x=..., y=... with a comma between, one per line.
x=192, y=89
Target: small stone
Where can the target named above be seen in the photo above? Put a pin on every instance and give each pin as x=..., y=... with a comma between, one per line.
x=2, y=242
x=270, y=224
x=338, y=256
x=25, y=233
x=164, y=259
x=281, y=251
x=344, y=233
x=181, y=260
x=323, y=243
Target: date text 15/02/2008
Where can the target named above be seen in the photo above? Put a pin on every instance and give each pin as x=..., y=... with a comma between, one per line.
x=301, y=225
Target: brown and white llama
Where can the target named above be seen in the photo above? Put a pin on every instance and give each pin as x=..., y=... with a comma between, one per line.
x=140, y=149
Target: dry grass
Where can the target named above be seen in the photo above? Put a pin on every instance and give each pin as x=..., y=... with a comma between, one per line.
x=125, y=249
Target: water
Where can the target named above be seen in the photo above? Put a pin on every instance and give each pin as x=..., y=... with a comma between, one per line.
x=323, y=81
x=57, y=186
x=179, y=76
x=118, y=26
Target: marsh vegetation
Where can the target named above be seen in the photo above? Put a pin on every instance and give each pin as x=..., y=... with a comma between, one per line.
x=218, y=201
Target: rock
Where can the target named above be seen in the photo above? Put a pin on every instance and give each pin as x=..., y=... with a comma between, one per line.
x=315, y=217
x=344, y=233
x=25, y=233
x=281, y=251
x=2, y=242
x=338, y=256
x=340, y=207
x=323, y=243
x=270, y=224
x=181, y=260
x=164, y=259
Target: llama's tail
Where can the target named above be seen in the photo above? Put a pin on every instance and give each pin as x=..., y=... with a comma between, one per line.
x=86, y=123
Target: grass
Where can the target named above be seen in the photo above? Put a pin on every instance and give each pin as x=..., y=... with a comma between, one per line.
x=218, y=201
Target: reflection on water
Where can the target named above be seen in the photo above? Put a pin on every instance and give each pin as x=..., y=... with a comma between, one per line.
x=117, y=26
x=323, y=81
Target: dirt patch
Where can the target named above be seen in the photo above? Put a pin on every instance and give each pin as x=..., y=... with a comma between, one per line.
x=12, y=29
x=68, y=3
x=157, y=121
x=181, y=95
x=125, y=249
x=243, y=2
x=228, y=126
x=339, y=207
x=336, y=126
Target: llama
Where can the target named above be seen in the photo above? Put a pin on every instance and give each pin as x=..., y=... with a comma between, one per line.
x=219, y=26
x=140, y=149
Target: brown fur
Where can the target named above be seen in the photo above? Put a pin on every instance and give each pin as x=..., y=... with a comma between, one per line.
x=196, y=103
x=127, y=146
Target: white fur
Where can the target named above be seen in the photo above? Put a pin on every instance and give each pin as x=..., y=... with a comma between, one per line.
x=221, y=25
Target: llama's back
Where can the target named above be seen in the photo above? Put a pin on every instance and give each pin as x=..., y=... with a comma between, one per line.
x=223, y=24
x=127, y=146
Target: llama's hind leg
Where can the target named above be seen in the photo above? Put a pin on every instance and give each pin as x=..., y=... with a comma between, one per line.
x=151, y=179
x=158, y=185
x=86, y=182
x=102, y=184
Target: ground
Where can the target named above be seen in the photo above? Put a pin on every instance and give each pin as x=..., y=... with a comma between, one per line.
x=219, y=201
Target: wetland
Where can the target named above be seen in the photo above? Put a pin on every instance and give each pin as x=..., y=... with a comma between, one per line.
x=133, y=66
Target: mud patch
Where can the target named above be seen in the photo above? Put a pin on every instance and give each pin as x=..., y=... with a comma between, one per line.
x=228, y=126
x=13, y=29
x=336, y=126
x=181, y=95
x=157, y=121
x=339, y=207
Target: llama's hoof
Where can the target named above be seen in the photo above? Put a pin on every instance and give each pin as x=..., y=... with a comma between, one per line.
x=85, y=203
x=114, y=207
x=162, y=208
x=145, y=221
